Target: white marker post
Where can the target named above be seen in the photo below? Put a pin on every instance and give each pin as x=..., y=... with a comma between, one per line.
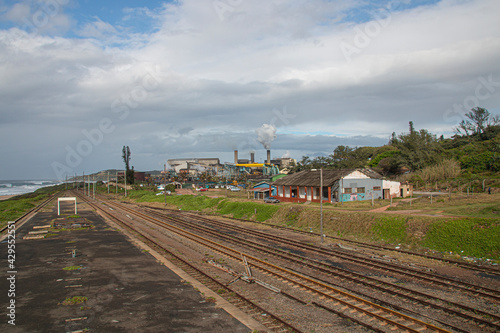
x=65, y=199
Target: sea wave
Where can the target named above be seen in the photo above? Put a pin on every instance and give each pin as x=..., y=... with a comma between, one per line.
x=16, y=187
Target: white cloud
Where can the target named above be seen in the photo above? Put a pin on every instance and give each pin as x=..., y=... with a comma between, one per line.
x=201, y=83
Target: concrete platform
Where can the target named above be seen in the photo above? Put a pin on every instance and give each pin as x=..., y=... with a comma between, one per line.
x=127, y=289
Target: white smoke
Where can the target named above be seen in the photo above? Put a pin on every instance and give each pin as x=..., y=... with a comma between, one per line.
x=266, y=134
x=286, y=155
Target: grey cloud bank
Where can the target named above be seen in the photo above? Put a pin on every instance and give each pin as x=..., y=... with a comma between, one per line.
x=200, y=84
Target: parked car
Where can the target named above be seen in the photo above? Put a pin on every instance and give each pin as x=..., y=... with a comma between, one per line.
x=202, y=189
x=234, y=189
x=271, y=200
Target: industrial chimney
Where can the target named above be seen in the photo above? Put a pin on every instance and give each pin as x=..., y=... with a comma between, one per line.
x=269, y=156
x=235, y=157
x=252, y=158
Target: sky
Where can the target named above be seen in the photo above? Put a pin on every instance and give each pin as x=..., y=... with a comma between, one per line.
x=200, y=78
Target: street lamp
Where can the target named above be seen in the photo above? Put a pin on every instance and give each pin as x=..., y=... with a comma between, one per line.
x=321, y=201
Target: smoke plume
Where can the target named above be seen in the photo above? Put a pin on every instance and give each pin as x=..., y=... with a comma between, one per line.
x=266, y=134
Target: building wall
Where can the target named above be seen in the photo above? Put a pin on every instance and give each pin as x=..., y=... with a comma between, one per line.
x=354, y=187
x=406, y=190
x=300, y=193
x=394, y=188
x=360, y=189
x=356, y=175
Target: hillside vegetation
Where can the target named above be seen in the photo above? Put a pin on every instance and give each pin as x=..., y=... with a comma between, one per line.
x=420, y=157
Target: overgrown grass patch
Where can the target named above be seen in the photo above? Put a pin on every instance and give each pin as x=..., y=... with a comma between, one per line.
x=390, y=228
x=72, y=268
x=261, y=212
x=75, y=300
x=190, y=202
x=13, y=208
x=471, y=237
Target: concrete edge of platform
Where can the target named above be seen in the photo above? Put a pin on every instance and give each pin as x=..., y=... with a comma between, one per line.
x=220, y=302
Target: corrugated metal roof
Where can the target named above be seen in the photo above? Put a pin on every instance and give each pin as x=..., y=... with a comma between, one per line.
x=312, y=178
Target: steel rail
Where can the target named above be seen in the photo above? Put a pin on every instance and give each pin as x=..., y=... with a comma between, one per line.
x=385, y=266
x=351, y=276
x=330, y=292
x=283, y=325
x=476, y=267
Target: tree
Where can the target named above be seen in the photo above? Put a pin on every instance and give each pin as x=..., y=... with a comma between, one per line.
x=418, y=148
x=478, y=121
x=393, y=138
x=126, y=158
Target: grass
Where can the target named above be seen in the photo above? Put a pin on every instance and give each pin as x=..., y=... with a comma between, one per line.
x=13, y=208
x=75, y=300
x=470, y=237
x=477, y=205
x=465, y=225
x=72, y=268
x=390, y=228
x=249, y=210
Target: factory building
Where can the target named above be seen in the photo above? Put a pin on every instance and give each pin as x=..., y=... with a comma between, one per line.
x=338, y=185
x=249, y=167
x=193, y=165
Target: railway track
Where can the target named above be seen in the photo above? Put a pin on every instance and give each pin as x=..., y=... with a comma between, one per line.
x=372, y=315
x=269, y=320
x=334, y=274
x=470, y=288
x=483, y=268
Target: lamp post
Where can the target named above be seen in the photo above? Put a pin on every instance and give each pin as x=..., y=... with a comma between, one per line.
x=125, y=183
x=321, y=201
x=342, y=191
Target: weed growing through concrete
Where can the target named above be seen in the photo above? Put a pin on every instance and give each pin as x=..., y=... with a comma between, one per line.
x=72, y=268
x=75, y=300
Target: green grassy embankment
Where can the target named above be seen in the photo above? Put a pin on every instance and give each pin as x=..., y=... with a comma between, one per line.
x=475, y=232
x=13, y=208
x=222, y=206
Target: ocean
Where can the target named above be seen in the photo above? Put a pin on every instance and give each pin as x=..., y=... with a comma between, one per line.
x=15, y=187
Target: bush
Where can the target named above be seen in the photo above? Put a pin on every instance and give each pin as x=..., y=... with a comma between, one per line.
x=447, y=169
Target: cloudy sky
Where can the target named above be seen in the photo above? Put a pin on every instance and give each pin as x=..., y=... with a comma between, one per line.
x=197, y=78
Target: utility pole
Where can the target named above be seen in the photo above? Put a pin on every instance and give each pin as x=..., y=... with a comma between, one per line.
x=321, y=201
x=108, y=182
x=125, y=183
x=83, y=178
x=342, y=191
x=165, y=185
x=116, y=183
x=93, y=178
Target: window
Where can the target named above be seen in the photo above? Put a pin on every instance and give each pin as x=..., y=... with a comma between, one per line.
x=347, y=190
x=360, y=190
x=376, y=188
